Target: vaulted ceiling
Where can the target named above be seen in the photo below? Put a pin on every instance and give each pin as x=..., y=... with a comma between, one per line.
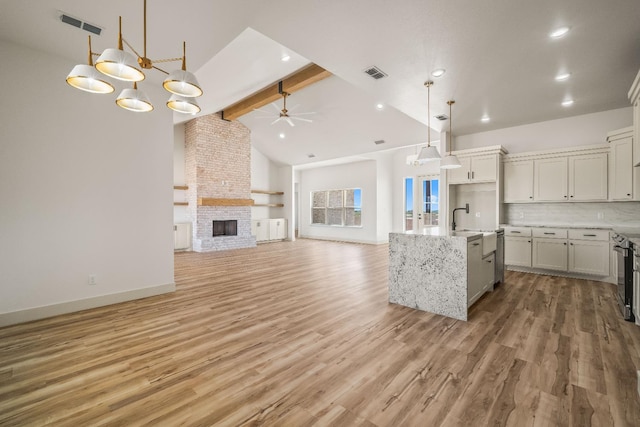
x=498, y=57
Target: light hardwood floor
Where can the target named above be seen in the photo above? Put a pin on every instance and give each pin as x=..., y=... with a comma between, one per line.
x=297, y=334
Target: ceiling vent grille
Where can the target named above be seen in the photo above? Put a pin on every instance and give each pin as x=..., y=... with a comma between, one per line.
x=378, y=142
x=375, y=72
x=75, y=22
x=311, y=155
x=442, y=117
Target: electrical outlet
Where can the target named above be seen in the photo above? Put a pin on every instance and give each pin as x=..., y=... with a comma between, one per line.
x=93, y=280
x=477, y=214
x=600, y=215
x=521, y=215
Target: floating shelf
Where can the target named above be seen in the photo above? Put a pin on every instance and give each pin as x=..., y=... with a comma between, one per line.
x=205, y=201
x=180, y=187
x=275, y=193
x=180, y=203
x=270, y=205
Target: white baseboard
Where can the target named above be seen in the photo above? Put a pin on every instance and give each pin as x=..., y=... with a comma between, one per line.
x=36, y=313
x=558, y=273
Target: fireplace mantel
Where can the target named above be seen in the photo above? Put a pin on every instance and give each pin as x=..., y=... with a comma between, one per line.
x=206, y=201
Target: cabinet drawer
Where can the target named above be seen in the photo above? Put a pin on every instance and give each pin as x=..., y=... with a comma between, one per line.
x=517, y=231
x=578, y=234
x=550, y=233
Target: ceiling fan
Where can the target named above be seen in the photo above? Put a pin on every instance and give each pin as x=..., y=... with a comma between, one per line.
x=284, y=114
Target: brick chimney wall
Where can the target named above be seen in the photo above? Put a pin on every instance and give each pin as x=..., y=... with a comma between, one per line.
x=218, y=165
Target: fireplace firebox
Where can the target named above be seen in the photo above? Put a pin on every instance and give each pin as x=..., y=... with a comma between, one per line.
x=225, y=228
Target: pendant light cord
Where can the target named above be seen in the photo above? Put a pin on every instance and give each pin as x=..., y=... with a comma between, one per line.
x=428, y=85
x=450, y=125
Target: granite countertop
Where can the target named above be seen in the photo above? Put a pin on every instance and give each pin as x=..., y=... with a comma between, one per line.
x=577, y=226
x=437, y=232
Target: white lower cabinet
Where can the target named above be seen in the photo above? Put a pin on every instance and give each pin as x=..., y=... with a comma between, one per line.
x=549, y=254
x=475, y=283
x=182, y=236
x=589, y=252
x=269, y=229
x=517, y=251
x=488, y=272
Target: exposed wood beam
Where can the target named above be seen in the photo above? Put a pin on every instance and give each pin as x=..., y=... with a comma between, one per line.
x=300, y=79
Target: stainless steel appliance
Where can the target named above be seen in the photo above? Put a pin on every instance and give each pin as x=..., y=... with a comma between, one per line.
x=624, y=252
x=499, y=256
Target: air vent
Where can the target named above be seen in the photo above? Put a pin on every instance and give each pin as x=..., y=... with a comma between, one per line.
x=442, y=117
x=68, y=19
x=375, y=72
x=378, y=142
x=311, y=156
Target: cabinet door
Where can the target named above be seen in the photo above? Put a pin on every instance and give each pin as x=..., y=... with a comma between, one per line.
x=488, y=272
x=517, y=251
x=462, y=174
x=474, y=271
x=636, y=133
x=589, y=257
x=550, y=179
x=622, y=169
x=588, y=177
x=181, y=236
x=484, y=168
x=277, y=229
x=518, y=182
x=262, y=230
x=550, y=254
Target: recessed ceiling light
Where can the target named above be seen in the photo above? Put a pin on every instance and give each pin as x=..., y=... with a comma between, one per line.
x=438, y=73
x=567, y=102
x=285, y=58
x=559, y=32
x=282, y=135
x=485, y=119
x=380, y=106
x=563, y=76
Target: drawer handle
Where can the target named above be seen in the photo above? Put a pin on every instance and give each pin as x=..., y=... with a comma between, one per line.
x=550, y=233
x=515, y=232
x=589, y=235
x=476, y=244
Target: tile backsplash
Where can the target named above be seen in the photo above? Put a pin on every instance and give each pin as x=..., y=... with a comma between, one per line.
x=606, y=214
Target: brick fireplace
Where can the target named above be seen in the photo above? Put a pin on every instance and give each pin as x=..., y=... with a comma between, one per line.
x=218, y=166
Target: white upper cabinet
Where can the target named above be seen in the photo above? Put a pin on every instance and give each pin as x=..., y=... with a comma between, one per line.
x=588, y=177
x=550, y=180
x=579, y=174
x=518, y=182
x=475, y=169
x=621, y=161
x=634, y=98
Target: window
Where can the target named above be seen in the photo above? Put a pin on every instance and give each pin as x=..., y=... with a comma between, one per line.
x=408, y=204
x=341, y=208
x=430, y=198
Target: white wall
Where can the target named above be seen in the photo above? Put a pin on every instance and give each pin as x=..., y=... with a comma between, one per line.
x=179, y=212
x=361, y=175
x=568, y=132
x=85, y=188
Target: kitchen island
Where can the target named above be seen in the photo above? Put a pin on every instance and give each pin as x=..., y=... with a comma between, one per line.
x=439, y=271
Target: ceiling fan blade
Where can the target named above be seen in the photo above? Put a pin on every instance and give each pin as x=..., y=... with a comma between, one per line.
x=293, y=108
x=302, y=119
x=273, y=104
x=304, y=114
x=289, y=121
x=276, y=120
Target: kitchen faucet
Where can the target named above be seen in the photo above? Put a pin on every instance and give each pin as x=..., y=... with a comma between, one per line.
x=453, y=215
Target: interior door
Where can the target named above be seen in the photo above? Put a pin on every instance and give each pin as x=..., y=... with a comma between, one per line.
x=427, y=201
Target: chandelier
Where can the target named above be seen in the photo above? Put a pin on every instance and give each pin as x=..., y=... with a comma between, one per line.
x=122, y=65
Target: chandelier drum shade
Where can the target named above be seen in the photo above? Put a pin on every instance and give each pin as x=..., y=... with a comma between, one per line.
x=126, y=66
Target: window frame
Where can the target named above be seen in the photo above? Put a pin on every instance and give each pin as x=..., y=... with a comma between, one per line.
x=344, y=207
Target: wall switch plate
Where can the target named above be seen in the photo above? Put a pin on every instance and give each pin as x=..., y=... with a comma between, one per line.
x=638, y=373
x=93, y=280
x=521, y=215
x=600, y=215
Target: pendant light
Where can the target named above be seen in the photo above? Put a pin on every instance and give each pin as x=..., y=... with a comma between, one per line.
x=183, y=105
x=450, y=161
x=134, y=100
x=428, y=153
x=86, y=77
x=182, y=82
